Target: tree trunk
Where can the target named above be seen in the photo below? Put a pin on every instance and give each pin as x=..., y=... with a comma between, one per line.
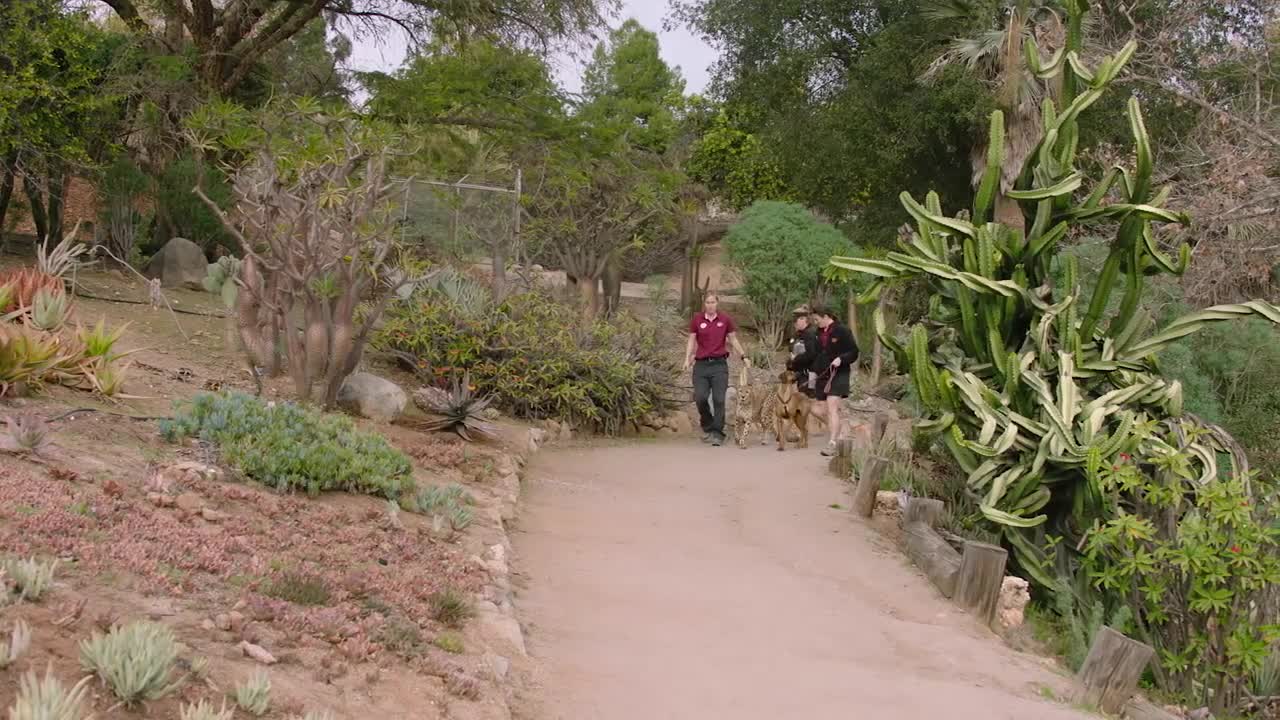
x=611, y=282
x=36, y=199
x=7, y=183
x=587, y=297
x=1009, y=214
x=54, y=205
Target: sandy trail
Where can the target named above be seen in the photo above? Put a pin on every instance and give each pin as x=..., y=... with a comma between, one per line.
x=654, y=590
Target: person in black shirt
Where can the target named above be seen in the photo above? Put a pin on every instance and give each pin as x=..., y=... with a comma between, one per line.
x=804, y=348
x=833, y=364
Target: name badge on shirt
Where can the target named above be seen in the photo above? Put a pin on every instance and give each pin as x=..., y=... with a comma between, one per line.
x=703, y=326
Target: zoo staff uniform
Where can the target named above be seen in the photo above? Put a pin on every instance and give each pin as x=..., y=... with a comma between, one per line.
x=711, y=368
x=802, y=362
x=836, y=341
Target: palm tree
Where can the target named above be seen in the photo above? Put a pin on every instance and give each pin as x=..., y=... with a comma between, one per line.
x=996, y=53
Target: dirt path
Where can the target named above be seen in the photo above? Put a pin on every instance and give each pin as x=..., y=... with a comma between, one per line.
x=654, y=592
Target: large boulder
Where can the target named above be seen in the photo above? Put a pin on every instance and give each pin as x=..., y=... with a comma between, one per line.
x=372, y=397
x=180, y=263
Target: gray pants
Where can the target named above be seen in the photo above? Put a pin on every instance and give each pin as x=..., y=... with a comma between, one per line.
x=710, y=382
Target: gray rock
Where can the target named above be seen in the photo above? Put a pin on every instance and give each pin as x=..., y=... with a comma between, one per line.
x=180, y=263
x=501, y=629
x=679, y=421
x=498, y=664
x=372, y=397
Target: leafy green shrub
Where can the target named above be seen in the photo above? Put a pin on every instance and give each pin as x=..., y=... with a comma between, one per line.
x=46, y=699
x=192, y=219
x=779, y=250
x=136, y=661
x=536, y=358
x=31, y=577
x=1195, y=583
x=288, y=446
x=254, y=695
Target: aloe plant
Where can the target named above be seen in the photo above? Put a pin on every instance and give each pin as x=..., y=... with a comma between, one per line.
x=1033, y=393
x=50, y=309
x=457, y=409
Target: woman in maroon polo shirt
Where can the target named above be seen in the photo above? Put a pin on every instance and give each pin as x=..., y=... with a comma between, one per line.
x=710, y=335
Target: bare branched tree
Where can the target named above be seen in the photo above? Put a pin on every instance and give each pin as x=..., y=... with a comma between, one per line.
x=1221, y=61
x=314, y=218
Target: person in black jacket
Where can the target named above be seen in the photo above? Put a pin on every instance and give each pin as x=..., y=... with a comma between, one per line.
x=837, y=352
x=804, y=348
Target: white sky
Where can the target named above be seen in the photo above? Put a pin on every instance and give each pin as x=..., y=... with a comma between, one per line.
x=679, y=48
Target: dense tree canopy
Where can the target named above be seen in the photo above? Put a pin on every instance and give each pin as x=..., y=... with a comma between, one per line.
x=229, y=38
x=829, y=93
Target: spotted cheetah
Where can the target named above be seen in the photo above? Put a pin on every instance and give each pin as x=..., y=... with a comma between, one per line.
x=756, y=408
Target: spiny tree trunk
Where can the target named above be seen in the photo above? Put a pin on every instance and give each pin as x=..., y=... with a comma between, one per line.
x=611, y=283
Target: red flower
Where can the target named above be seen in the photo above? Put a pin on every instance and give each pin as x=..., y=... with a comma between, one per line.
x=1124, y=457
x=1235, y=549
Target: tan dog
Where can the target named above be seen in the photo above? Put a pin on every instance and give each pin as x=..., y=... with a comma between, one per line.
x=791, y=406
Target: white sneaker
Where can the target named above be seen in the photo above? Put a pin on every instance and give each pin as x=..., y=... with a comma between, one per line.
x=829, y=450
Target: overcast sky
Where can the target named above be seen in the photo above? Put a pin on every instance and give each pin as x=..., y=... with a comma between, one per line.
x=680, y=48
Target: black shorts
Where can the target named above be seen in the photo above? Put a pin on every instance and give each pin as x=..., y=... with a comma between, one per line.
x=839, y=385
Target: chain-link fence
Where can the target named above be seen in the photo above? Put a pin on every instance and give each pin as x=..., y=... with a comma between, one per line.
x=463, y=219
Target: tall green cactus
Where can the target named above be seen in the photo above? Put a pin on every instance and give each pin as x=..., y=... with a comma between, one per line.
x=1028, y=391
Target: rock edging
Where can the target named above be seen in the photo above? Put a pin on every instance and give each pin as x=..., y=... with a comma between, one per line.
x=495, y=618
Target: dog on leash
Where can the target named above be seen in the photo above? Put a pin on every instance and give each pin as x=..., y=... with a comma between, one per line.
x=791, y=406
x=758, y=408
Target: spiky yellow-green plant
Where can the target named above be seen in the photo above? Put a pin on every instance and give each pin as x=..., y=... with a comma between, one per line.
x=1030, y=390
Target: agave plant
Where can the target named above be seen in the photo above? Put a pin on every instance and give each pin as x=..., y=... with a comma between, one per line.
x=1030, y=392
x=50, y=310
x=457, y=409
x=24, y=283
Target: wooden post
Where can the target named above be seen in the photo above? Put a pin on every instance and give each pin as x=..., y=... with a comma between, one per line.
x=1110, y=674
x=934, y=556
x=864, y=493
x=924, y=510
x=841, y=464
x=981, y=574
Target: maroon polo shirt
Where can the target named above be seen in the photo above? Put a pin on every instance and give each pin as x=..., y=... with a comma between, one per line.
x=711, y=334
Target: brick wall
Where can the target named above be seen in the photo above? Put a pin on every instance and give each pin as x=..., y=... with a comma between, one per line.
x=81, y=203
